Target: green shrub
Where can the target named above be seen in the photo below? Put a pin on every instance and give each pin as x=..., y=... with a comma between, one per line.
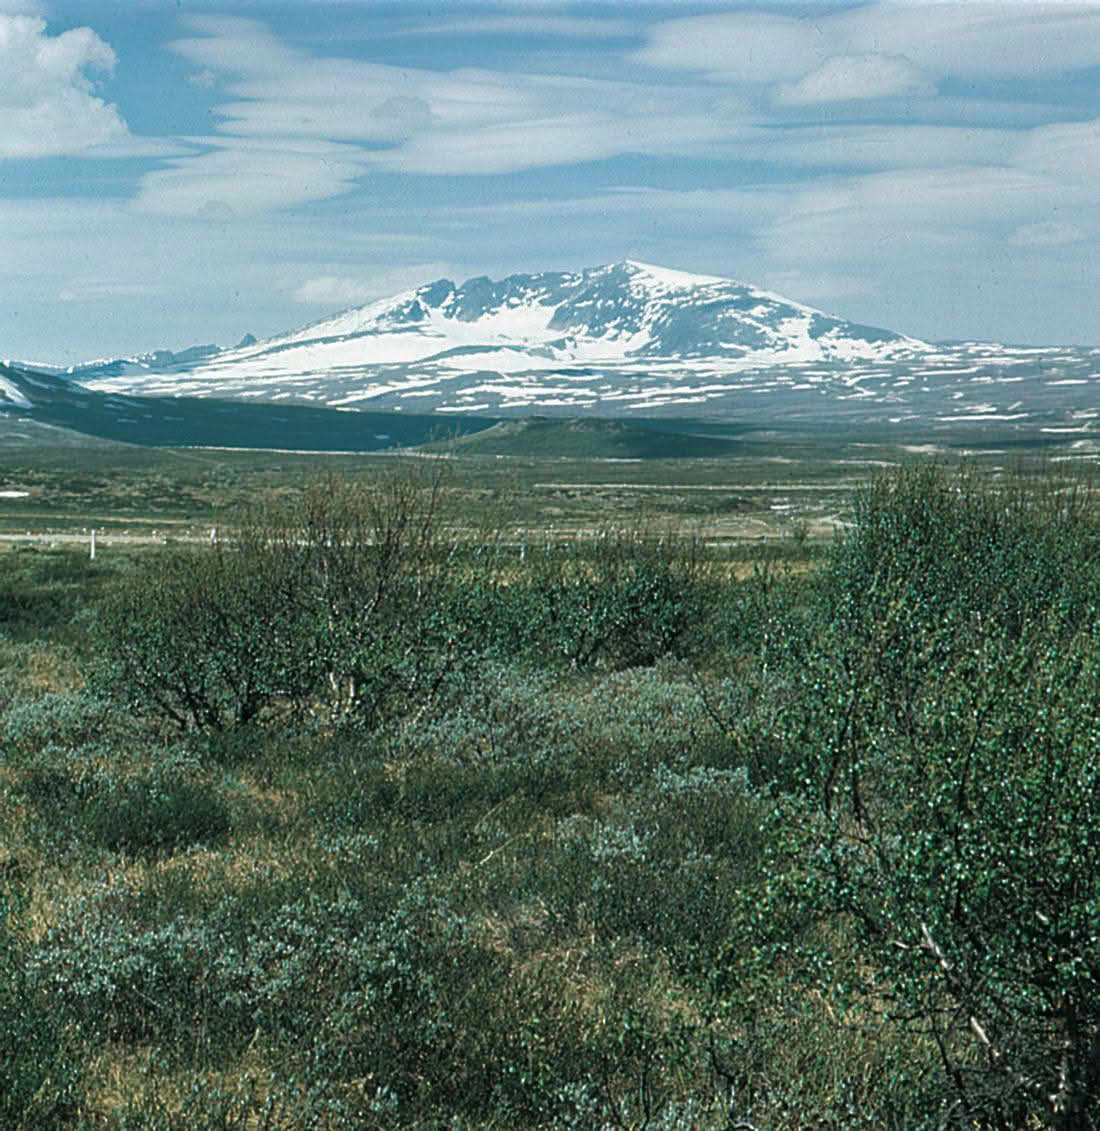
x=322, y=606
x=202, y=637
x=628, y=598
x=84, y=794
x=43, y=593
x=60, y=718
x=938, y=758
x=332, y=988
x=926, y=545
x=40, y=1074
x=155, y=812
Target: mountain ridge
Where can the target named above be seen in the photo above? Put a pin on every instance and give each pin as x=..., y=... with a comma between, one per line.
x=624, y=340
x=623, y=335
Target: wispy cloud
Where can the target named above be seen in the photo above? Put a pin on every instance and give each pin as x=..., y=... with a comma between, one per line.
x=204, y=79
x=409, y=120
x=246, y=176
x=1067, y=151
x=881, y=146
x=845, y=78
x=331, y=291
x=100, y=290
x=1047, y=233
x=527, y=23
x=959, y=39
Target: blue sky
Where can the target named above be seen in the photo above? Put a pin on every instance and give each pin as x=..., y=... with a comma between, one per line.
x=176, y=172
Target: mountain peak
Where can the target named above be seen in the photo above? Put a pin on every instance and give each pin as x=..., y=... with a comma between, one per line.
x=670, y=277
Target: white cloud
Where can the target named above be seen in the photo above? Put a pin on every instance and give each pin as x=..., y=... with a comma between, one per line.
x=845, y=78
x=403, y=114
x=204, y=79
x=47, y=103
x=481, y=122
x=177, y=280
x=1047, y=233
x=964, y=38
x=1068, y=151
x=98, y=290
x=953, y=252
x=553, y=139
x=524, y=24
x=890, y=146
x=818, y=287
x=333, y=291
x=464, y=121
x=832, y=221
x=236, y=45
x=741, y=46
x=747, y=205
x=242, y=177
x=955, y=38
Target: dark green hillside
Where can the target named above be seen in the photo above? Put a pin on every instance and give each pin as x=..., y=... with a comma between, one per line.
x=203, y=422
x=588, y=438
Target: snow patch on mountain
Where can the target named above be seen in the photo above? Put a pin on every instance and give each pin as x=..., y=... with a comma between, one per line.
x=12, y=394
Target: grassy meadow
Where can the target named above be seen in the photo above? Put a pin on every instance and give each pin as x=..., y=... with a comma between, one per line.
x=753, y=791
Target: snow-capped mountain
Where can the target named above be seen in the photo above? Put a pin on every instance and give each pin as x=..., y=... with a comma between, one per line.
x=624, y=339
x=522, y=342
x=625, y=311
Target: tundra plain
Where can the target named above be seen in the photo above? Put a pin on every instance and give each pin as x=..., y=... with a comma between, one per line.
x=455, y=791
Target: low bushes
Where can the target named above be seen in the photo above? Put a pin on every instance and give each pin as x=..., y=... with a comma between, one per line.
x=369, y=1003
x=497, y=864
x=346, y=605
x=41, y=1082
x=320, y=605
x=85, y=794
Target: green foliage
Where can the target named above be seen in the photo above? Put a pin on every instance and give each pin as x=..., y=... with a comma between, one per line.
x=40, y=1073
x=154, y=813
x=345, y=605
x=320, y=605
x=42, y=592
x=941, y=754
x=323, y=985
x=83, y=794
x=466, y=842
x=621, y=598
x=58, y=718
x=202, y=637
x=628, y=598
x=927, y=544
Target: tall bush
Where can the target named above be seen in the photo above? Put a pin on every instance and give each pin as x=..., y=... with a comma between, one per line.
x=627, y=598
x=936, y=847
x=323, y=604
